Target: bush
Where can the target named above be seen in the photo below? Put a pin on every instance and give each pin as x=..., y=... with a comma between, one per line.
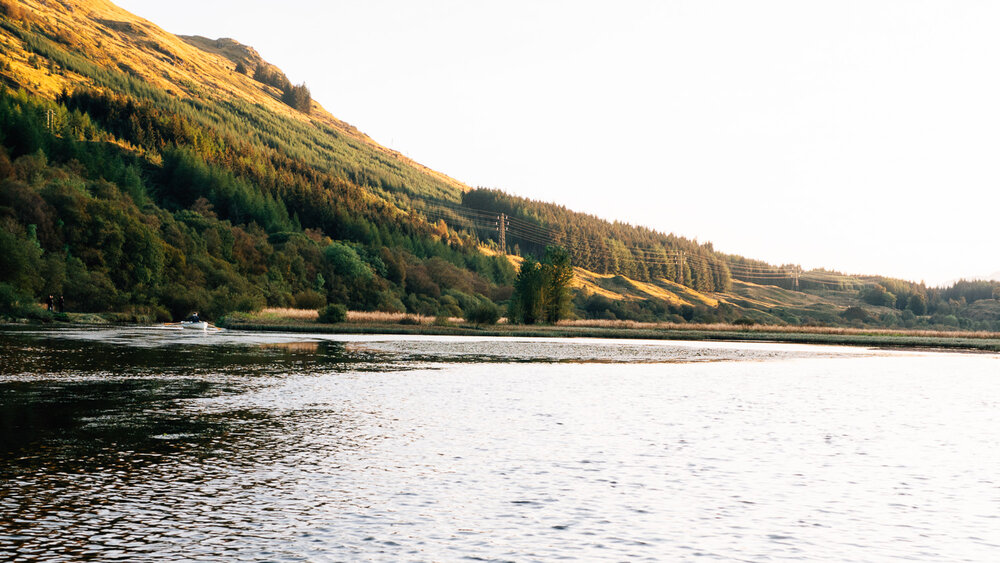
x=335, y=313
x=483, y=314
x=309, y=299
x=744, y=321
x=855, y=314
x=409, y=320
x=15, y=303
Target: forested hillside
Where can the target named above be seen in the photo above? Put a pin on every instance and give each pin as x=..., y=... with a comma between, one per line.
x=154, y=175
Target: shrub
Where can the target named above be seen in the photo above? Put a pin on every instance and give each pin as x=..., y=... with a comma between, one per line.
x=855, y=314
x=744, y=321
x=335, y=313
x=483, y=314
x=309, y=299
x=19, y=304
x=409, y=320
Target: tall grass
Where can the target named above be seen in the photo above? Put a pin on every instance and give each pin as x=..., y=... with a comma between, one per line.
x=289, y=313
x=379, y=317
x=276, y=314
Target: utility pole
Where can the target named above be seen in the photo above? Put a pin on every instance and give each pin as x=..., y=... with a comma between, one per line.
x=502, y=229
x=680, y=267
x=795, y=278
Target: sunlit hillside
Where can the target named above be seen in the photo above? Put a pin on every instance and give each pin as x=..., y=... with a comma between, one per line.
x=96, y=32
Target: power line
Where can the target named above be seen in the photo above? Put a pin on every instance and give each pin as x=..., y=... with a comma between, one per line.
x=658, y=255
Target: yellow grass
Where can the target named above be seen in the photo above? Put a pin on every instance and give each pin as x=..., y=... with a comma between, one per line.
x=587, y=280
x=380, y=317
x=687, y=292
x=658, y=292
x=288, y=313
x=359, y=317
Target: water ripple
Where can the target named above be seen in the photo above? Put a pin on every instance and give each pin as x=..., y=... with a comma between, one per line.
x=279, y=448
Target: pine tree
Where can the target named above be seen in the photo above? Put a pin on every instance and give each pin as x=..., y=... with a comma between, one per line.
x=298, y=97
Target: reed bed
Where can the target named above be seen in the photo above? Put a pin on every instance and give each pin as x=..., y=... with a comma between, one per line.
x=382, y=317
x=289, y=313
x=277, y=314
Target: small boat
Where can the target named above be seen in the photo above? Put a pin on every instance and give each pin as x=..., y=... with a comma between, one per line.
x=199, y=325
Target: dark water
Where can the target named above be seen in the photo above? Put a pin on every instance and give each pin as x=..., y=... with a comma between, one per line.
x=165, y=445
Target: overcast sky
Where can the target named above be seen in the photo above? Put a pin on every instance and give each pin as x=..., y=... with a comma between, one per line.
x=861, y=136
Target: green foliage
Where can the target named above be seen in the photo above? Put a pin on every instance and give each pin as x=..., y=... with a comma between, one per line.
x=309, y=299
x=485, y=313
x=557, y=273
x=346, y=263
x=333, y=313
x=526, y=303
x=197, y=221
x=878, y=296
x=20, y=259
x=272, y=76
x=15, y=303
x=972, y=290
x=856, y=314
x=687, y=312
x=917, y=304
x=297, y=97
x=541, y=289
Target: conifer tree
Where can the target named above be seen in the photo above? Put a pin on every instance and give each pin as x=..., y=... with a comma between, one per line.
x=298, y=97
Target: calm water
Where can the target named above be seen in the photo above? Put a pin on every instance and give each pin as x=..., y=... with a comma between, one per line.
x=154, y=444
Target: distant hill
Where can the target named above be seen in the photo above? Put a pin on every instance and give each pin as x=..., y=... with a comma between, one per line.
x=152, y=174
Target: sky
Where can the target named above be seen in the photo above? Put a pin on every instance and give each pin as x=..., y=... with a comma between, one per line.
x=861, y=136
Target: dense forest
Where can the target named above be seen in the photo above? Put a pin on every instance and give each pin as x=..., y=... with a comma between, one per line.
x=193, y=222
x=126, y=197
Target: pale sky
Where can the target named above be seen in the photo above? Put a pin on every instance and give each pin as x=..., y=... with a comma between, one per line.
x=857, y=135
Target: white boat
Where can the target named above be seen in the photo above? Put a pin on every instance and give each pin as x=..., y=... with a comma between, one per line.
x=200, y=325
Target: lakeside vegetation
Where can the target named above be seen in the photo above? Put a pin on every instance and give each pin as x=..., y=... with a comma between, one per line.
x=358, y=322
x=139, y=198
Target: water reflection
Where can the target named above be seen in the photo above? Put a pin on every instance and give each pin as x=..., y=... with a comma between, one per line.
x=268, y=447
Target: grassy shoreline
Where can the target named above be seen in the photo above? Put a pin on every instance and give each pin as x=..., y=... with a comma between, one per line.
x=694, y=333
x=303, y=321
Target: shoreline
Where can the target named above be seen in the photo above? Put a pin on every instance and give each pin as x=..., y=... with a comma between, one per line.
x=895, y=341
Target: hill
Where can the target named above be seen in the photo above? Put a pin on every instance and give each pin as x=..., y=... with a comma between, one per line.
x=95, y=43
x=156, y=174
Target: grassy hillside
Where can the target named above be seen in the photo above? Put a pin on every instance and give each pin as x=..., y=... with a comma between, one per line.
x=54, y=46
x=146, y=172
